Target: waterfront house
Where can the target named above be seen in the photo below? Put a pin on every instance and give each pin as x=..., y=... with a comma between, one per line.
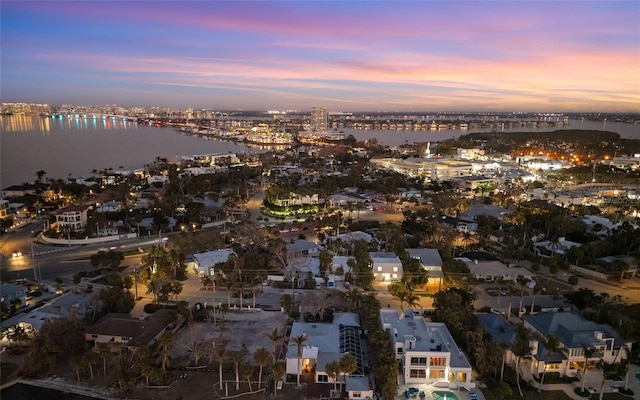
x=131, y=332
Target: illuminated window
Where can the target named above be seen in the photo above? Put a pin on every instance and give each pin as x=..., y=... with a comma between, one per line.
x=379, y=269
x=395, y=269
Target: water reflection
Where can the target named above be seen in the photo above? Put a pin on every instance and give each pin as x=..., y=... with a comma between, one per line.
x=33, y=123
x=24, y=123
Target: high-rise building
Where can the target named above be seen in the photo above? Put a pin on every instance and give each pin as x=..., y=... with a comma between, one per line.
x=319, y=119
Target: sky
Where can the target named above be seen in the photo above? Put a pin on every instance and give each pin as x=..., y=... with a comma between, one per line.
x=559, y=56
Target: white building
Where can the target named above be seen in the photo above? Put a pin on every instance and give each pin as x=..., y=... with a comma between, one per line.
x=386, y=266
x=204, y=263
x=326, y=343
x=73, y=217
x=426, y=351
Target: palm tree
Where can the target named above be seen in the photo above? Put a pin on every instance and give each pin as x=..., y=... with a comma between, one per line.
x=348, y=365
x=511, y=290
x=237, y=357
x=221, y=354
x=104, y=351
x=626, y=331
x=246, y=370
x=552, y=344
x=262, y=358
x=588, y=353
x=333, y=371
x=606, y=369
x=401, y=293
x=500, y=281
x=521, y=349
x=275, y=337
x=299, y=341
x=77, y=364
x=533, y=297
x=277, y=370
x=89, y=359
x=523, y=281
x=40, y=173
x=504, y=346
x=164, y=349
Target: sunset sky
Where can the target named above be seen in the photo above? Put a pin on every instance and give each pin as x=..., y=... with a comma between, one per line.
x=356, y=55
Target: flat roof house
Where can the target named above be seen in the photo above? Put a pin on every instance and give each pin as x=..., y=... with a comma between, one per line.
x=386, y=266
x=426, y=350
x=326, y=343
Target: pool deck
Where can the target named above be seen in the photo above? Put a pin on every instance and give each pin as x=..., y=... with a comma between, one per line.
x=429, y=389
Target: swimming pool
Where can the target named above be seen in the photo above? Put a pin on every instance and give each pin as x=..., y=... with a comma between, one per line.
x=442, y=395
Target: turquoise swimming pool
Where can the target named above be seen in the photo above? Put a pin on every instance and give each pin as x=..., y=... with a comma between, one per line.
x=443, y=395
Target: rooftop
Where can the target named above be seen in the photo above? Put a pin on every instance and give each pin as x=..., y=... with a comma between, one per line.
x=429, y=336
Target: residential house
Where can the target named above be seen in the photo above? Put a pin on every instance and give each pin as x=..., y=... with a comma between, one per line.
x=462, y=225
x=430, y=261
x=575, y=333
x=338, y=262
x=9, y=293
x=72, y=217
x=204, y=263
x=63, y=306
x=19, y=190
x=546, y=248
x=131, y=332
x=326, y=343
x=301, y=248
x=386, y=266
x=107, y=228
x=632, y=264
x=426, y=351
x=492, y=270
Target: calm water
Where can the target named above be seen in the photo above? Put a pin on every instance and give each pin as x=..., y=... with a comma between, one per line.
x=396, y=138
x=28, y=392
x=76, y=146
x=70, y=146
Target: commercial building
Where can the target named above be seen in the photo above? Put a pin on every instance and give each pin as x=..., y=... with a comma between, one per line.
x=319, y=119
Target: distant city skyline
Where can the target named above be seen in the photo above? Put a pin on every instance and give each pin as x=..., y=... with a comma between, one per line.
x=266, y=55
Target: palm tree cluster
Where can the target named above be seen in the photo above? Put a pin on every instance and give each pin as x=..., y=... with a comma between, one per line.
x=384, y=364
x=402, y=293
x=454, y=307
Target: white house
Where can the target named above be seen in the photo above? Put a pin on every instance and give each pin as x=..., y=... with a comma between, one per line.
x=73, y=217
x=326, y=343
x=204, y=263
x=426, y=350
x=386, y=266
